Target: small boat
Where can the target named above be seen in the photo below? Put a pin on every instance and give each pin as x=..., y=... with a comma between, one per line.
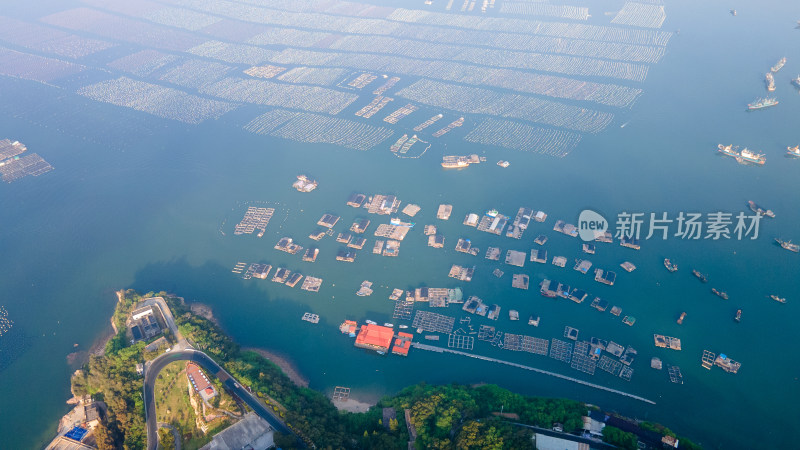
x=380, y=352
x=387, y=324
x=680, y=319
x=788, y=245
x=672, y=267
x=720, y=294
x=778, y=299
x=738, y=317
x=793, y=151
x=403, y=326
x=700, y=276
x=759, y=210
x=371, y=322
x=733, y=12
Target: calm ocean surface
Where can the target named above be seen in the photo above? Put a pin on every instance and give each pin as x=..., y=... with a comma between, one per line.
x=139, y=202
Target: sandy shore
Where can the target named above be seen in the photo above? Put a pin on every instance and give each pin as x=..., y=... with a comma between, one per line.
x=203, y=310
x=352, y=405
x=287, y=367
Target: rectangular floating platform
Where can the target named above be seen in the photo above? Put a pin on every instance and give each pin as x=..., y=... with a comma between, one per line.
x=444, y=212
x=254, y=219
x=561, y=350
x=662, y=341
x=308, y=317
x=675, y=374
x=460, y=341
x=708, y=359
x=515, y=258
x=403, y=310
x=328, y=220
x=520, y=281
x=311, y=284
x=430, y=321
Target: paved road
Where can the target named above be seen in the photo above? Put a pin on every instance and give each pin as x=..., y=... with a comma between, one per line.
x=212, y=368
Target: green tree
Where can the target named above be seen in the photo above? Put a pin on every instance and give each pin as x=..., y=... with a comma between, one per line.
x=166, y=440
x=103, y=438
x=622, y=439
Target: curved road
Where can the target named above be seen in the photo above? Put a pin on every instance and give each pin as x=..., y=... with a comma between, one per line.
x=203, y=360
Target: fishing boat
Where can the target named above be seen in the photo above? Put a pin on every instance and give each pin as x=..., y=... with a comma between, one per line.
x=751, y=157
x=788, y=245
x=672, y=267
x=770, y=79
x=762, y=103
x=779, y=65
x=728, y=150
x=738, y=317
x=778, y=299
x=759, y=210
x=700, y=276
x=719, y=294
x=793, y=151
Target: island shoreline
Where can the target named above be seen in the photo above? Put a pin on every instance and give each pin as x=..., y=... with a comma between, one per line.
x=284, y=363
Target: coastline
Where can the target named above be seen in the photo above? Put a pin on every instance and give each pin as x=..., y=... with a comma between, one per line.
x=203, y=310
x=286, y=366
x=351, y=405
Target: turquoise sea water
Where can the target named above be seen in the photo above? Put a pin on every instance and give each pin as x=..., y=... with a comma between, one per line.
x=138, y=202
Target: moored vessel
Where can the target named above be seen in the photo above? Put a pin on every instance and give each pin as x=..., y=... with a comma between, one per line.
x=700, y=276
x=770, y=82
x=778, y=299
x=728, y=150
x=762, y=103
x=719, y=293
x=752, y=157
x=788, y=245
x=759, y=210
x=779, y=65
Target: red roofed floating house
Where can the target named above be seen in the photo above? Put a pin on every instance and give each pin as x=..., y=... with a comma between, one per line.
x=402, y=344
x=375, y=337
x=349, y=327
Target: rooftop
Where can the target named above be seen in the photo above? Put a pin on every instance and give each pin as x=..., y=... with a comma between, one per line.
x=375, y=337
x=252, y=432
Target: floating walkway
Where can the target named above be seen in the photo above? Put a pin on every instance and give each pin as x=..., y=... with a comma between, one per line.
x=533, y=369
